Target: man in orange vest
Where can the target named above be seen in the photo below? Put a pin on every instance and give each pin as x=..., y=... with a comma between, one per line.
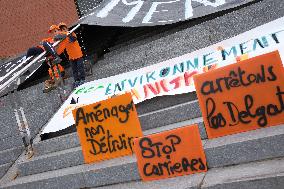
x=46, y=45
x=73, y=49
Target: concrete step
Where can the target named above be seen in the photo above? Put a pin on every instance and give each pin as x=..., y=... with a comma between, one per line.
x=173, y=114
x=10, y=155
x=151, y=34
x=56, y=144
x=256, y=175
x=182, y=182
x=155, y=119
x=71, y=140
x=107, y=172
x=49, y=156
x=8, y=124
x=162, y=102
x=11, y=142
x=246, y=147
x=38, y=108
x=4, y=168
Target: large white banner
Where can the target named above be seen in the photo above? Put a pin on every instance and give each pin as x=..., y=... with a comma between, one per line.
x=173, y=76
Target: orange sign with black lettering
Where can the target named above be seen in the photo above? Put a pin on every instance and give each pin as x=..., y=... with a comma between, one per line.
x=106, y=129
x=244, y=96
x=171, y=153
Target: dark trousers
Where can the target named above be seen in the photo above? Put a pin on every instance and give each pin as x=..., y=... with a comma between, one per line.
x=78, y=69
x=33, y=51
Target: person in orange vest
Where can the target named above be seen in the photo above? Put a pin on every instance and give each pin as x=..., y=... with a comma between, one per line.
x=73, y=49
x=55, y=71
x=46, y=45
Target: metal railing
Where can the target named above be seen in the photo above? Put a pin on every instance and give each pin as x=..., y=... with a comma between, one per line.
x=20, y=116
x=24, y=69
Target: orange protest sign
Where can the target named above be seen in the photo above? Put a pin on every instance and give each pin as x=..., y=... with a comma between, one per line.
x=106, y=129
x=172, y=153
x=244, y=96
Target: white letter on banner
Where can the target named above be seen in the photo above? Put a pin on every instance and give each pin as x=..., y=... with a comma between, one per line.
x=153, y=8
x=104, y=12
x=216, y=4
x=188, y=9
x=133, y=11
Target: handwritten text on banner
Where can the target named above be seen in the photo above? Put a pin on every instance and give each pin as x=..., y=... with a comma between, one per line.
x=171, y=153
x=243, y=96
x=106, y=129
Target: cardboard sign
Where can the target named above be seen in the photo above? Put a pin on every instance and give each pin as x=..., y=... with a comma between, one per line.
x=244, y=96
x=106, y=129
x=171, y=153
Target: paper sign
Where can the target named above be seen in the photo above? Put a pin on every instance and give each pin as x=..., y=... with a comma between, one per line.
x=169, y=154
x=106, y=129
x=244, y=96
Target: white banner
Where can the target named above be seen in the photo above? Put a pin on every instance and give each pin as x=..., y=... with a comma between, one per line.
x=173, y=76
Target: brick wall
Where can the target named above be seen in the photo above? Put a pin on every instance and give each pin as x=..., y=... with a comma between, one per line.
x=25, y=22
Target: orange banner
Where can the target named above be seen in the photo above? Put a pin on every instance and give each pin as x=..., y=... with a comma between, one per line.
x=169, y=154
x=106, y=129
x=243, y=96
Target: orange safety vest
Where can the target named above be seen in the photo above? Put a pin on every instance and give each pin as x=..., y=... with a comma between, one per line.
x=73, y=49
x=61, y=69
x=49, y=39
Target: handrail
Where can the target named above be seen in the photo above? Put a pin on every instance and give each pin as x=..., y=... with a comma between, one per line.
x=19, y=73
x=15, y=68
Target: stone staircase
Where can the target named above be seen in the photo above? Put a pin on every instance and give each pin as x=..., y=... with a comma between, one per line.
x=233, y=161
x=38, y=109
x=250, y=160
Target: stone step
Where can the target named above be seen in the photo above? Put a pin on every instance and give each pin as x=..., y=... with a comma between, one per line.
x=38, y=108
x=71, y=140
x=145, y=37
x=182, y=182
x=162, y=102
x=256, y=175
x=4, y=168
x=167, y=116
x=10, y=155
x=56, y=144
x=91, y=175
x=11, y=142
x=173, y=114
x=50, y=156
x=246, y=147
x=8, y=124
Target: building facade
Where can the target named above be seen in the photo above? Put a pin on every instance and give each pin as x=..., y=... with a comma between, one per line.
x=25, y=23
